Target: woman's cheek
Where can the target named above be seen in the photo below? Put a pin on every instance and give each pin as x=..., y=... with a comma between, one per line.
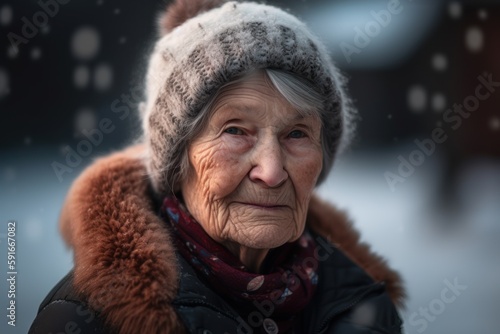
x=307, y=162
x=226, y=174
x=313, y=169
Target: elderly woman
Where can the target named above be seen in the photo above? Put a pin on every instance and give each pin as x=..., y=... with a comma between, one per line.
x=211, y=225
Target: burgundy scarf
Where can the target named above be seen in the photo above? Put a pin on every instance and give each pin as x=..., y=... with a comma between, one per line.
x=268, y=302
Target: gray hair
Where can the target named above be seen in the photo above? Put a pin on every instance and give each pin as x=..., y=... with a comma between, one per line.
x=298, y=91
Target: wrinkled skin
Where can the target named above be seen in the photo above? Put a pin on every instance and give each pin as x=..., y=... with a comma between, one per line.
x=253, y=169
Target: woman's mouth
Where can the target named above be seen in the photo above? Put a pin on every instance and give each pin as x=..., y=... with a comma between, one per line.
x=269, y=206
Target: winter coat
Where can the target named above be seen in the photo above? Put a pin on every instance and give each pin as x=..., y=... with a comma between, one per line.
x=128, y=277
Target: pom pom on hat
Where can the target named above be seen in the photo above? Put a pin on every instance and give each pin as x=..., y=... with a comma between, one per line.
x=182, y=10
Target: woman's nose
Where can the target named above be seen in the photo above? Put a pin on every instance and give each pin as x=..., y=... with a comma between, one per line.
x=268, y=165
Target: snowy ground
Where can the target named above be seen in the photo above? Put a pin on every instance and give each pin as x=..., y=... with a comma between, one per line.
x=431, y=248
x=463, y=249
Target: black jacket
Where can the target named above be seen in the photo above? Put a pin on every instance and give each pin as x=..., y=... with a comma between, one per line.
x=128, y=278
x=347, y=302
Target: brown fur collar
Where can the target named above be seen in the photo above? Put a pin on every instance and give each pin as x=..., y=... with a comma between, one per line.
x=123, y=254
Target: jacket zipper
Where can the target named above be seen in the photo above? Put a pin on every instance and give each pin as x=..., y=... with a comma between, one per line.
x=323, y=324
x=323, y=327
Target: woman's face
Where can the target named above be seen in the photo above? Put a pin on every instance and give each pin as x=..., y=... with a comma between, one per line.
x=253, y=167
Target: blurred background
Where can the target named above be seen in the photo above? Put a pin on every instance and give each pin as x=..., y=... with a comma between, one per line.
x=421, y=182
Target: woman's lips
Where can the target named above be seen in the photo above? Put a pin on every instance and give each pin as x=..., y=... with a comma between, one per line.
x=264, y=205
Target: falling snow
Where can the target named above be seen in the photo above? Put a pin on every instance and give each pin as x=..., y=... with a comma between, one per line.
x=33, y=229
x=439, y=62
x=103, y=77
x=438, y=102
x=117, y=11
x=85, y=120
x=27, y=141
x=474, y=39
x=5, y=15
x=81, y=76
x=64, y=149
x=455, y=10
x=483, y=14
x=4, y=83
x=364, y=314
x=9, y=174
x=495, y=123
x=36, y=53
x=12, y=52
x=122, y=40
x=85, y=43
x=45, y=29
x=417, y=98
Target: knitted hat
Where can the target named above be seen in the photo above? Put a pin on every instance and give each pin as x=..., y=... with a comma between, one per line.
x=192, y=61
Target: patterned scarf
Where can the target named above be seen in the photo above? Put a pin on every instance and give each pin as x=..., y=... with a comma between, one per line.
x=268, y=302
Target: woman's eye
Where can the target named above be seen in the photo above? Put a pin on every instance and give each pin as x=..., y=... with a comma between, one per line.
x=233, y=131
x=296, y=134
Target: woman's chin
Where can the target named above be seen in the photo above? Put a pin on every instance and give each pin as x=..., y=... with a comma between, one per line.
x=267, y=237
